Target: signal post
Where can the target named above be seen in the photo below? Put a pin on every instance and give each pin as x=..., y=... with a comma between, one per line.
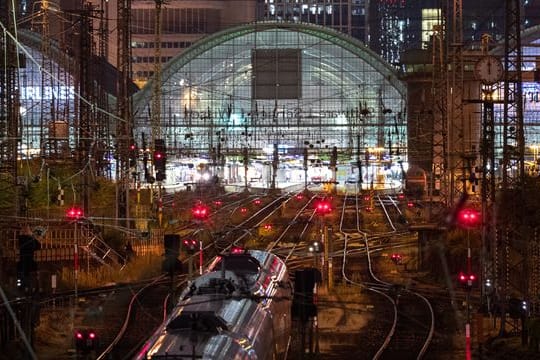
x=323, y=207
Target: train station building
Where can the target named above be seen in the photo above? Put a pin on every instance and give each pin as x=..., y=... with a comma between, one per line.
x=285, y=87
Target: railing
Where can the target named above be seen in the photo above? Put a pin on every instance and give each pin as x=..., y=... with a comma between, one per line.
x=58, y=242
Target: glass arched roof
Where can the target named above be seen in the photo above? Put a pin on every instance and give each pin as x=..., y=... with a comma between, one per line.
x=347, y=95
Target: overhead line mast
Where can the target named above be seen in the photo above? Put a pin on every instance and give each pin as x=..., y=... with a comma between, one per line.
x=456, y=121
x=159, y=146
x=513, y=164
x=9, y=104
x=439, y=183
x=125, y=124
x=156, y=89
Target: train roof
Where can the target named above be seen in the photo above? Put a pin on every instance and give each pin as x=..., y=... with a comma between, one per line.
x=218, y=313
x=256, y=268
x=205, y=325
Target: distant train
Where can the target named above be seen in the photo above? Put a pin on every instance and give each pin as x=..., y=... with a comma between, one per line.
x=531, y=168
x=239, y=309
x=415, y=181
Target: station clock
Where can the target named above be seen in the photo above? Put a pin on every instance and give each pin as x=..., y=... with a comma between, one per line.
x=488, y=70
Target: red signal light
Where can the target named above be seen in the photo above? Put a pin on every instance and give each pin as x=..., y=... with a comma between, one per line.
x=396, y=258
x=468, y=217
x=243, y=210
x=410, y=204
x=92, y=335
x=218, y=202
x=132, y=147
x=268, y=226
x=200, y=212
x=323, y=207
x=257, y=201
x=236, y=250
x=74, y=213
x=78, y=335
x=401, y=196
x=366, y=198
x=299, y=197
x=467, y=280
x=158, y=155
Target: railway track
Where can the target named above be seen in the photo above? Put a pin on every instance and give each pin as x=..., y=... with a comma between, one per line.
x=409, y=332
x=145, y=312
x=401, y=324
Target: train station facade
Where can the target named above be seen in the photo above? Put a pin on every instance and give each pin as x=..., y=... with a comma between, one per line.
x=284, y=87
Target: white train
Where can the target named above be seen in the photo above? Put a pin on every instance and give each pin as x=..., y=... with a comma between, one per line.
x=239, y=309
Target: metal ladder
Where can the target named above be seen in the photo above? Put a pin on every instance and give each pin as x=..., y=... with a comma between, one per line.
x=97, y=248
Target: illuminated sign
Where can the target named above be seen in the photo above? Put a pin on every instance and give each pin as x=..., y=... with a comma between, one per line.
x=47, y=92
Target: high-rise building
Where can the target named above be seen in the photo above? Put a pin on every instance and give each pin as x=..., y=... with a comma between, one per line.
x=346, y=16
x=388, y=27
x=397, y=26
x=182, y=23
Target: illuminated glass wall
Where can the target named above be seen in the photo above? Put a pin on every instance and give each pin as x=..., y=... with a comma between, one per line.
x=219, y=94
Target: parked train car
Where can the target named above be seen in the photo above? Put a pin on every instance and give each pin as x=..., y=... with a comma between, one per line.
x=239, y=309
x=415, y=182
